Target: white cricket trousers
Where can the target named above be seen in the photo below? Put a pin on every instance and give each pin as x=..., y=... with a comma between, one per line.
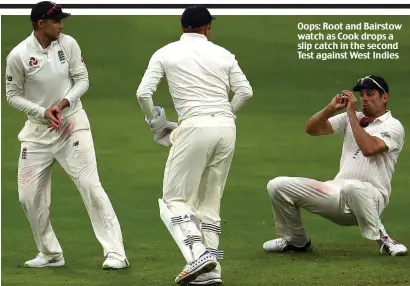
x=195, y=175
x=344, y=202
x=73, y=148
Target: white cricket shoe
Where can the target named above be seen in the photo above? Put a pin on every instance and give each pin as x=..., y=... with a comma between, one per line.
x=42, y=261
x=281, y=245
x=113, y=262
x=392, y=247
x=210, y=278
x=204, y=264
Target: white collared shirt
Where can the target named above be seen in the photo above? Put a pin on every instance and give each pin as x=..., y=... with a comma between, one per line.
x=200, y=75
x=377, y=170
x=37, y=78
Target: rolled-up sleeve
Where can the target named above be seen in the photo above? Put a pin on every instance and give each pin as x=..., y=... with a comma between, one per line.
x=392, y=134
x=15, y=79
x=339, y=123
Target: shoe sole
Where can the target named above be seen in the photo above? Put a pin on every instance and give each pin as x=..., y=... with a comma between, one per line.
x=308, y=250
x=199, y=271
x=52, y=264
x=106, y=267
x=113, y=268
x=210, y=282
x=401, y=253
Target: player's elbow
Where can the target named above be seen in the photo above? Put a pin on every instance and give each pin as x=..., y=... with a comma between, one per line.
x=249, y=93
x=311, y=130
x=85, y=82
x=372, y=152
x=10, y=97
x=245, y=93
x=367, y=154
x=377, y=147
x=143, y=93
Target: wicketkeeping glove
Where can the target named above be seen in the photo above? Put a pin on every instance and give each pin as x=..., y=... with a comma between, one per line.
x=161, y=127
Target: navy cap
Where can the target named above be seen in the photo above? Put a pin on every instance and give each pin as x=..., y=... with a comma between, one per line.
x=372, y=82
x=196, y=16
x=47, y=10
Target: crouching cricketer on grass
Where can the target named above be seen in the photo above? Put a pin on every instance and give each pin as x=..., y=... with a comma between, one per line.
x=359, y=193
x=45, y=78
x=200, y=75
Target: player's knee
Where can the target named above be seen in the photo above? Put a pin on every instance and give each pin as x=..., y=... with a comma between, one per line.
x=26, y=196
x=351, y=189
x=277, y=185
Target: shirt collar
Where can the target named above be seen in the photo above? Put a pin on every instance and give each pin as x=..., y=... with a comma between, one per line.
x=384, y=117
x=193, y=36
x=36, y=44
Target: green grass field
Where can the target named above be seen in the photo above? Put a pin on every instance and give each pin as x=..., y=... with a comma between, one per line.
x=271, y=142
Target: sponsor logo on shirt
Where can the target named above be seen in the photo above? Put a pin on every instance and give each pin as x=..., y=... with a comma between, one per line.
x=33, y=64
x=385, y=135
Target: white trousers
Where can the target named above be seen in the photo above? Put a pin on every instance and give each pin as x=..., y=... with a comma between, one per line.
x=73, y=148
x=344, y=202
x=195, y=175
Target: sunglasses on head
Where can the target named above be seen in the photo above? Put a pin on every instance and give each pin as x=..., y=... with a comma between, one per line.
x=55, y=10
x=367, y=77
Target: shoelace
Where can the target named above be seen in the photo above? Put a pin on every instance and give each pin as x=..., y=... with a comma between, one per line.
x=200, y=260
x=388, y=240
x=281, y=243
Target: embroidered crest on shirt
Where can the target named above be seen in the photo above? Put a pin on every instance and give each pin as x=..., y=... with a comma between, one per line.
x=61, y=56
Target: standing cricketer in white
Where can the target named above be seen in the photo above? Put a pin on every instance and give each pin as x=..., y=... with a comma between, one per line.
x=45, y=78
x=200, y=75
x=360, y=192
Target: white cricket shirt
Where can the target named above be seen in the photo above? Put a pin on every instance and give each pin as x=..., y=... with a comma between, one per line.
x=37, y=78
x=377, y=170
x=200, y=75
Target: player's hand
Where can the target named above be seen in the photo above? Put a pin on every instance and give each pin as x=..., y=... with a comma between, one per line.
x=53, y=116
x=338, y=102
x=351, y=100
x=165, y=137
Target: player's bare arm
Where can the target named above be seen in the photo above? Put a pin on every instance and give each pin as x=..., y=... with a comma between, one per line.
x=369, y=145
x=318, y=124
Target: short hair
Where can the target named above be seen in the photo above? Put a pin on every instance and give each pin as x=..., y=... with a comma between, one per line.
x=193, y=30
x=34, y=25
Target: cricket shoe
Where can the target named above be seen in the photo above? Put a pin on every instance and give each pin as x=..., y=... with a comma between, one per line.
x=113, y=262
x=42, y=261
x=204, y=264
x=392, y=247
x=210, y=279
x=281, y=245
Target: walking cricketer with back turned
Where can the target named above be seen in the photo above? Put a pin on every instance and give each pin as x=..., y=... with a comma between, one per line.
x=200, y=75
